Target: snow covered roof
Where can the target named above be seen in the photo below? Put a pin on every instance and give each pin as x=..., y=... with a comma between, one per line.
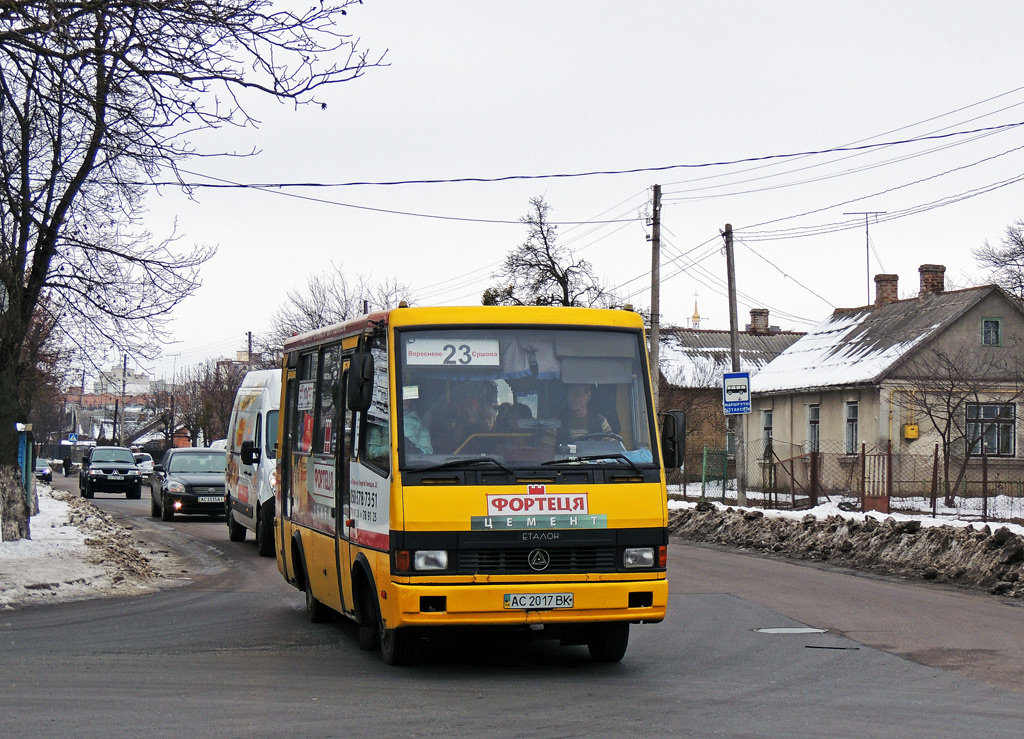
x=860, y=346
x=698, y=357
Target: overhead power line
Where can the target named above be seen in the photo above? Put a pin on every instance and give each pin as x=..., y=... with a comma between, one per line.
x=565, y=175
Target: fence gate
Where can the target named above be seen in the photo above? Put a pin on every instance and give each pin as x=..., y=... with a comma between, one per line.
x=876, y=480
x=714, y=473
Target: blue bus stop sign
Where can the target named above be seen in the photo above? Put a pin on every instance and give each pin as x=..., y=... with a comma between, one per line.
x=736, y=393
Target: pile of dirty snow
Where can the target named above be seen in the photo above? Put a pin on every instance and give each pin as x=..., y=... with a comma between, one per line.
x=964, y=554
x=76, y=551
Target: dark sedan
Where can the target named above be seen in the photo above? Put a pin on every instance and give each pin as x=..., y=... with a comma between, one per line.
x=43, y=471
x=188, y=480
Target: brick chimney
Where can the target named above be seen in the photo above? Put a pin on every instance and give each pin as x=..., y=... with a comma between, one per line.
x=886, y=289
x=933, y=279
x=759, y=321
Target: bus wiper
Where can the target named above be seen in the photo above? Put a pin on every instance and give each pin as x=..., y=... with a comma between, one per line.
x=595, y=458
x=460, y=462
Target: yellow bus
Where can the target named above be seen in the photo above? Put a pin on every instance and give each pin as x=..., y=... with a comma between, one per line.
x=482, y=466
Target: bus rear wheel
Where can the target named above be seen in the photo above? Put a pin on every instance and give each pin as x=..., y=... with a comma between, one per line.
x=608, y=642
x=316, y=611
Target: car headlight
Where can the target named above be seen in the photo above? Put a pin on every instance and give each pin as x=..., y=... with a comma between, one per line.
x=430, y=559
x=638, y=557
x=175, y=487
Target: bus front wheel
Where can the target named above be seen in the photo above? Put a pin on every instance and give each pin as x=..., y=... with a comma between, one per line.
x=397, y=646
x=608, y=642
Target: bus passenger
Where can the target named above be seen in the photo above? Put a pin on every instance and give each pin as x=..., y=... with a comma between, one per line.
x=417, y=435
x=510, y=415
x=471, y=411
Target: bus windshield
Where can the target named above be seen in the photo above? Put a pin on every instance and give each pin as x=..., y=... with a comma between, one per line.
x=523, y=396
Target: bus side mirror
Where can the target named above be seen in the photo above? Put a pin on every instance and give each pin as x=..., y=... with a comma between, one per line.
x=360, y=382
x=249, y=452
x=673, y=438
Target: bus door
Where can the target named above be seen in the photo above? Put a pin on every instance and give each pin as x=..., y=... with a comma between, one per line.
x=284, y=491
x=343, y=454
x=368, y=519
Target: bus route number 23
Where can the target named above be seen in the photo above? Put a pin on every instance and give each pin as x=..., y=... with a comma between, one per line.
x=461, y=354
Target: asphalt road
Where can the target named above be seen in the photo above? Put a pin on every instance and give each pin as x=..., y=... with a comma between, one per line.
x=232, y=654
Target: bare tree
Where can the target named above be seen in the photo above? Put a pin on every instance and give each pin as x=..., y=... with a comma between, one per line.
x=541, y=272
x=193, y=408
x=97, y=98
x=331, y=297
x=160, y=406
x=220, y=384
x=1006, y=261
x=942, y=382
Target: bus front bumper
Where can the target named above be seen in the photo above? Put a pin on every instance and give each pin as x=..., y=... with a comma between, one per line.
x=513, y=604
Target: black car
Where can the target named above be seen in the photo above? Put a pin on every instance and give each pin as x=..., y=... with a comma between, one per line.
x=188, y=480
x=110, y=469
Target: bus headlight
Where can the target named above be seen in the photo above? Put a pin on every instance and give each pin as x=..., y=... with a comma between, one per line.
x=430, y=559
x=638, y=557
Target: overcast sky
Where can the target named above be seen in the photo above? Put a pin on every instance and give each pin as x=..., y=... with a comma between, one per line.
x=679, y=89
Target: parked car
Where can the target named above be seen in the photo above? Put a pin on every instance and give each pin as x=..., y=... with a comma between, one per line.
x=188, y=480
x=43, y=471
x=110, y=469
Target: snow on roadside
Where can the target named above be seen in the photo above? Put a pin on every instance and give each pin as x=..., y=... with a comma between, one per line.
x=962, y=553
x=825, y=510
x=76, y=551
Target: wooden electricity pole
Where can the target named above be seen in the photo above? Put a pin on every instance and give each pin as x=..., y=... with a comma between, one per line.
x=734, y=340
x=656, y=295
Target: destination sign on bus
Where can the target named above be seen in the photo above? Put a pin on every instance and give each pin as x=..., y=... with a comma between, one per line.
x=453, y=353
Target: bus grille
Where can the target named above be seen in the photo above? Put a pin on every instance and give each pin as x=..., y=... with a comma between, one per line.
x=513, y=561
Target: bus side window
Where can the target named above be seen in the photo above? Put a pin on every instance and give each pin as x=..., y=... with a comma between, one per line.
x=377, y=447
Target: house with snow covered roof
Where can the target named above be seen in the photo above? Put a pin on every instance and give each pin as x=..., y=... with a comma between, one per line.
x=944, y=368
x=693, y=361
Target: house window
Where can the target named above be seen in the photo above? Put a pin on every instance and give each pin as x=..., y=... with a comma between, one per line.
x=991, y=331
x=991, y=429
x=766, y=418
x=813, y=428
x=851, y=428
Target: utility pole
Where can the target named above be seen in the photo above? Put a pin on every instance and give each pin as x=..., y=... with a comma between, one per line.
x=734, y=340
x=867, y=241
x=124, y=371
x=248, y=355
x=656, y=295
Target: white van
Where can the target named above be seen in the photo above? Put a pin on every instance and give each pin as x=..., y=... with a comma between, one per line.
x=252, y=459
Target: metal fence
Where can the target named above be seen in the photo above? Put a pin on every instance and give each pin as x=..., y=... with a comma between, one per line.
x=786, y=475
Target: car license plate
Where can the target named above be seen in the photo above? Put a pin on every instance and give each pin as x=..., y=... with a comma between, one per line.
x=211, y=498
x=115, y=477
x=537, y=601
